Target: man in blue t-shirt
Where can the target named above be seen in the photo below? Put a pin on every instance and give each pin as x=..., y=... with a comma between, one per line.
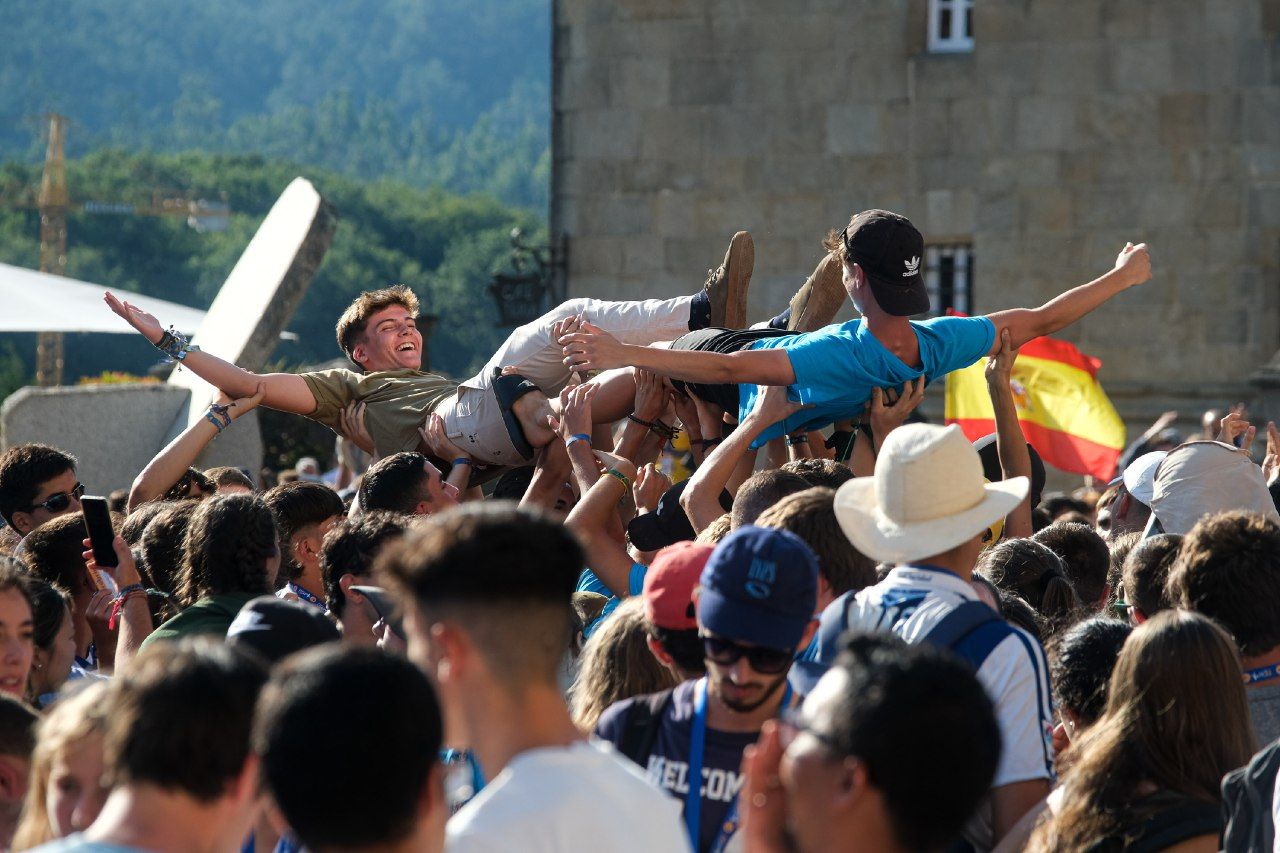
x=832, y=371
x=754, y=603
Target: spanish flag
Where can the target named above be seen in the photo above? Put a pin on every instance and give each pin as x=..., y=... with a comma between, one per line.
x=1064, y=412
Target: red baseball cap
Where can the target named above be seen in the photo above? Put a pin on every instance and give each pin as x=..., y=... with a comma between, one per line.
x=669, y=585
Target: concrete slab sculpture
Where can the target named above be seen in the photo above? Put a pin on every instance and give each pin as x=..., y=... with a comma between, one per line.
x=114, y=430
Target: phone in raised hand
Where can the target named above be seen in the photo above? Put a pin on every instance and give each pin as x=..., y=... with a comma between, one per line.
x=97, y=523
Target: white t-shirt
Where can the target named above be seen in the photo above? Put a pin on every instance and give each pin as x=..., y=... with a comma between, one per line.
x=581, y=797
x=910, y=601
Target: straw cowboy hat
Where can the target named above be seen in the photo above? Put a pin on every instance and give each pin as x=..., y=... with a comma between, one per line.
x=928, y=496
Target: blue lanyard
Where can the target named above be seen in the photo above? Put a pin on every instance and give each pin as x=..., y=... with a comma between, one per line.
x=693, y=796
x=302, y=593
x=1262, y=673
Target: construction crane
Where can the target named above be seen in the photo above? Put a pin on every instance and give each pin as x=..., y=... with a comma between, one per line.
x=54, y=203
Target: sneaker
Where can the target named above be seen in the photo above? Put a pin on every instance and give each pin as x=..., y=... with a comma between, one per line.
x=726, y=286
x=819, y=298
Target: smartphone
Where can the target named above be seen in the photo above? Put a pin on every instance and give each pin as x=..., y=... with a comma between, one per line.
x=97, y=522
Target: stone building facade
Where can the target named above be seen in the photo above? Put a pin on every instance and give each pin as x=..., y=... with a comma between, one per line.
x=1068, y=128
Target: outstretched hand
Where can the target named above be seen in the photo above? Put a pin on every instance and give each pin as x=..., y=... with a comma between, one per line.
x=575, y=411
x=588, y=347
x=1233, y=426
x=242, y=406
x=1135, y=263
x=146, y=325
x=889, y=408
x=436, y=438
x=1000, y=366
x=773, y=405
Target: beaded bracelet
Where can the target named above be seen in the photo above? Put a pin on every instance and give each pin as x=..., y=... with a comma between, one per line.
x=620, y=477
x=174, y=344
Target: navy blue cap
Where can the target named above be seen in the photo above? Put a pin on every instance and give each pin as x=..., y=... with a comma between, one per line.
x=760, y=586
x=825, y=648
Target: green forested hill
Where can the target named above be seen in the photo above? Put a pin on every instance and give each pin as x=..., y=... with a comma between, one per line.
x=441, y=244
x=450, y=93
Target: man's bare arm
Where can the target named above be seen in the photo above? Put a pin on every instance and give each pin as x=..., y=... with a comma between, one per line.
x=168, y=466
x=587, y=347
x=1133, y=267
x=287, y=392
x=701, y=498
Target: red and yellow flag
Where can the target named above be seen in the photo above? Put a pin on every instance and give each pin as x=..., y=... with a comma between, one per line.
x=1064, y=412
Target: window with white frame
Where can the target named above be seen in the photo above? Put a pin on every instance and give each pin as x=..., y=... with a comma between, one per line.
x=948, y=277
x=950, y=26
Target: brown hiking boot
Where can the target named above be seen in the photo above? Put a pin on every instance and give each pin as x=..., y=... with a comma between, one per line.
x=819, y=298
x=726, y=285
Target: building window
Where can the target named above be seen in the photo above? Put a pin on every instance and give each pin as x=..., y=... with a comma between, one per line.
x=950, y=26
x=948, y=277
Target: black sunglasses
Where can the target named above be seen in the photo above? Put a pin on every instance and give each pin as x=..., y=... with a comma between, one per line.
x=62, y=500
x=763, y=659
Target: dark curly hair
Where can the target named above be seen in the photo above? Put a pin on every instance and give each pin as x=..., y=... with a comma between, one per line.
x=230, y=543
x=162, y=545
x=1081, y=660
x=351, y=547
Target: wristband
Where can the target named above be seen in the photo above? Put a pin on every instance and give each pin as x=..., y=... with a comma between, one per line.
x=709, y=442
x=174, y=344
x=213, y=419
x=578, y=436
x=133, y=587
x=621, y=478
x=793, y=440
x=462, y=460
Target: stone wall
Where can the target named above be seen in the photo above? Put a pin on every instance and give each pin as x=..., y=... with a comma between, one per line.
x=115, y=430
x=1073, y=126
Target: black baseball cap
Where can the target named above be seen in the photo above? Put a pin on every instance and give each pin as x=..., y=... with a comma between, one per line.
x=668, y=524
x=275, y=628
x=889, y=249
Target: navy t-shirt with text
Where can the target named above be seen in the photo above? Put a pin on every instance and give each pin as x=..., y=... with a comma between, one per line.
x=668, y=763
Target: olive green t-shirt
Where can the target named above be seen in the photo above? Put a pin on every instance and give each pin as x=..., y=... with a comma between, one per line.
x=398, y=402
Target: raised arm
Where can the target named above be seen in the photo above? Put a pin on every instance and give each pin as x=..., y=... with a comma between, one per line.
x=170, y=464
x=606, y=556
x=286, y=392
x=701, y=498
x=1011, y=444
x=587, y=347
x=1133, y=267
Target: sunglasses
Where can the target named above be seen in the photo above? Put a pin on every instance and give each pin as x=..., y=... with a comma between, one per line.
x=763, y=659
x=61, y=500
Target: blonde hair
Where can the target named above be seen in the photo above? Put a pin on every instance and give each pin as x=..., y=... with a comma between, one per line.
x=715, y=531
x=79, y=714
x=352, y=322
x=616, y=665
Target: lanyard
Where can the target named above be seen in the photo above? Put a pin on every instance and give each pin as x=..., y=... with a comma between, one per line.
x=693, y=796
x=302, y=593
x=1262, y=673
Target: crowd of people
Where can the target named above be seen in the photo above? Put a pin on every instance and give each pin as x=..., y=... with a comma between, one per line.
x=510, y=623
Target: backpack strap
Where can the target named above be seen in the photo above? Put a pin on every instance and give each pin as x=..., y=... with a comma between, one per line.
x=640, y=727
x=971, y=631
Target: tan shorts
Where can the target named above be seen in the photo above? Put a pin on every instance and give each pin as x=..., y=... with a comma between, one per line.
x=473, y=421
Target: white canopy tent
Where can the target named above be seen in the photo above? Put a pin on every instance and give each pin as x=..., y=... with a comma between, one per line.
x=32, y=301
